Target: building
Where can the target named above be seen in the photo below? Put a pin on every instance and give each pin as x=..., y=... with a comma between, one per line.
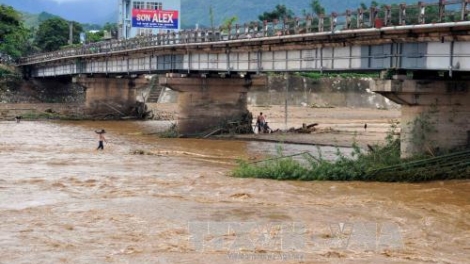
x=146, y=17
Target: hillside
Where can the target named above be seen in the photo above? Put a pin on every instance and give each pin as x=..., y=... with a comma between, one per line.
x=83, y=11
x=33, y=20
x=197, y=11
x=193, y=11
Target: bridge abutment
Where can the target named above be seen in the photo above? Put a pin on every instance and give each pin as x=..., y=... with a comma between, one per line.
x=110, y=95
x=208, y=102
x=435, y=113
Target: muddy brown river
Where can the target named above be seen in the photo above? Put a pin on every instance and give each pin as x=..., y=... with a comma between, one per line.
x=62, y=201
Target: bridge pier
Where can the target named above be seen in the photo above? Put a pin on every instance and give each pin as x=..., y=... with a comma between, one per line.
x=206, y=101
x=110, y=95
x=435, y=113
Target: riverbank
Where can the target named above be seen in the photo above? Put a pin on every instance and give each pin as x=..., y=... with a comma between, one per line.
x=336, y=126
x=340, y=126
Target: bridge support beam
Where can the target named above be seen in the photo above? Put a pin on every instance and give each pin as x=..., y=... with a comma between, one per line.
x=435, y=113
x=110, y=95
x=207, y=102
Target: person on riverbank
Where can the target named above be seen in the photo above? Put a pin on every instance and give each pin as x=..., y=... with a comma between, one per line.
x=101, y=139
x=260, y=123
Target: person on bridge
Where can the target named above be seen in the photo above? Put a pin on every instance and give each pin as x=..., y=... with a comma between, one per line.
x=101, y=139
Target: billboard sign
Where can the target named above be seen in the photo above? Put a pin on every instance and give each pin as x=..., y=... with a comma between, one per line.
x=147, y=18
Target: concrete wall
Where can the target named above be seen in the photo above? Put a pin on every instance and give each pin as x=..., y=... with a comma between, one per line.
x=101, y=96
x=436, y=128
x=81, y=97
x=60, y=90
x=331, y=92
x=111, y=95
x=435, y=113
x=208, y=103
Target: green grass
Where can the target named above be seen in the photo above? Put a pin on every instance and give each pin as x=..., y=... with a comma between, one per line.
x=51, y=115
x=318, y=75
x=6, y=72
x=171, y=132
x=316, y=168
x=382, y=164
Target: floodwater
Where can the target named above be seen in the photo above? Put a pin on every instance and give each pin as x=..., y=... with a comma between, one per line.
x=61, y=201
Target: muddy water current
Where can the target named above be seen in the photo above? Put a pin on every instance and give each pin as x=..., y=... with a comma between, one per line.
x=149, y=200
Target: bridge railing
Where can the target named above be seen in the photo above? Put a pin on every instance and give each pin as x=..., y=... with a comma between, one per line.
x=384, y=16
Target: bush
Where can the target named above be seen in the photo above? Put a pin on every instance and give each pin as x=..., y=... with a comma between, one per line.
x=170, y=132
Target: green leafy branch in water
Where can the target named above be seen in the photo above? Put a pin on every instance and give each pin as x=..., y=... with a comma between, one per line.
x=171, y=132
x=318, y=168
x=381, y=163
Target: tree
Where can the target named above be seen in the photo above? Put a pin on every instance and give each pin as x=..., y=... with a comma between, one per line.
x=279, y=13
x=94, y=36
x=228, y=23
x=54, y=33
x=112, y=28
x=317, y=8
x=13, y=34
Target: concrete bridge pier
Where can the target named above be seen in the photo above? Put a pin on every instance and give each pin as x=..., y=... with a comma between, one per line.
x=112, y=95
x=435, y=113
x=208, y=101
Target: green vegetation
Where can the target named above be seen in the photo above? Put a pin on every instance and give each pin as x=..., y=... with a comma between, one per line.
x=41, y=115
x=50, y=114
x=32, y=21
x=13, y=34
x=319, y=75
x=317, y=168
x=5, y=72
x=423, y=130
x=381, y=163
x=94, y=36
x=169, y=133
x=317, y=8
x=24, y=33
x=54, y=33
x=279, y=13
x=229, y=22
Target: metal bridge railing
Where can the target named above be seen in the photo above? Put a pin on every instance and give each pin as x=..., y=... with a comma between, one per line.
x=385, y=16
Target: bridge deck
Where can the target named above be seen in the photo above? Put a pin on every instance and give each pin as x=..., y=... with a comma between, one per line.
x=286, y=46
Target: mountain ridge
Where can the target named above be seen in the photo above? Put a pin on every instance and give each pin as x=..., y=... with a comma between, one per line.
x=193, y=11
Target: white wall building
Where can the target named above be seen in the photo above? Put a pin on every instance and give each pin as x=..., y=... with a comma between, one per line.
x=146, y=17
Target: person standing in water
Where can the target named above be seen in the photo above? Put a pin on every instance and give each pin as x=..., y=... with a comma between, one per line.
x=101, y=138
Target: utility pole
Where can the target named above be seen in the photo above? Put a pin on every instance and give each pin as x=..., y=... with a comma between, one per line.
x=286, y=98
x=70, y=32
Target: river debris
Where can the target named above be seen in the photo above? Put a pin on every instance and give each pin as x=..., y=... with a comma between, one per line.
x=239, y=125
x=305, y=129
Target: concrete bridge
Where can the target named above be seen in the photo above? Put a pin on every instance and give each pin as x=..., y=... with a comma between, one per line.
x=424, y=66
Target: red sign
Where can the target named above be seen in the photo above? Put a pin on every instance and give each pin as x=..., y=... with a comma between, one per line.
x=146, y=18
